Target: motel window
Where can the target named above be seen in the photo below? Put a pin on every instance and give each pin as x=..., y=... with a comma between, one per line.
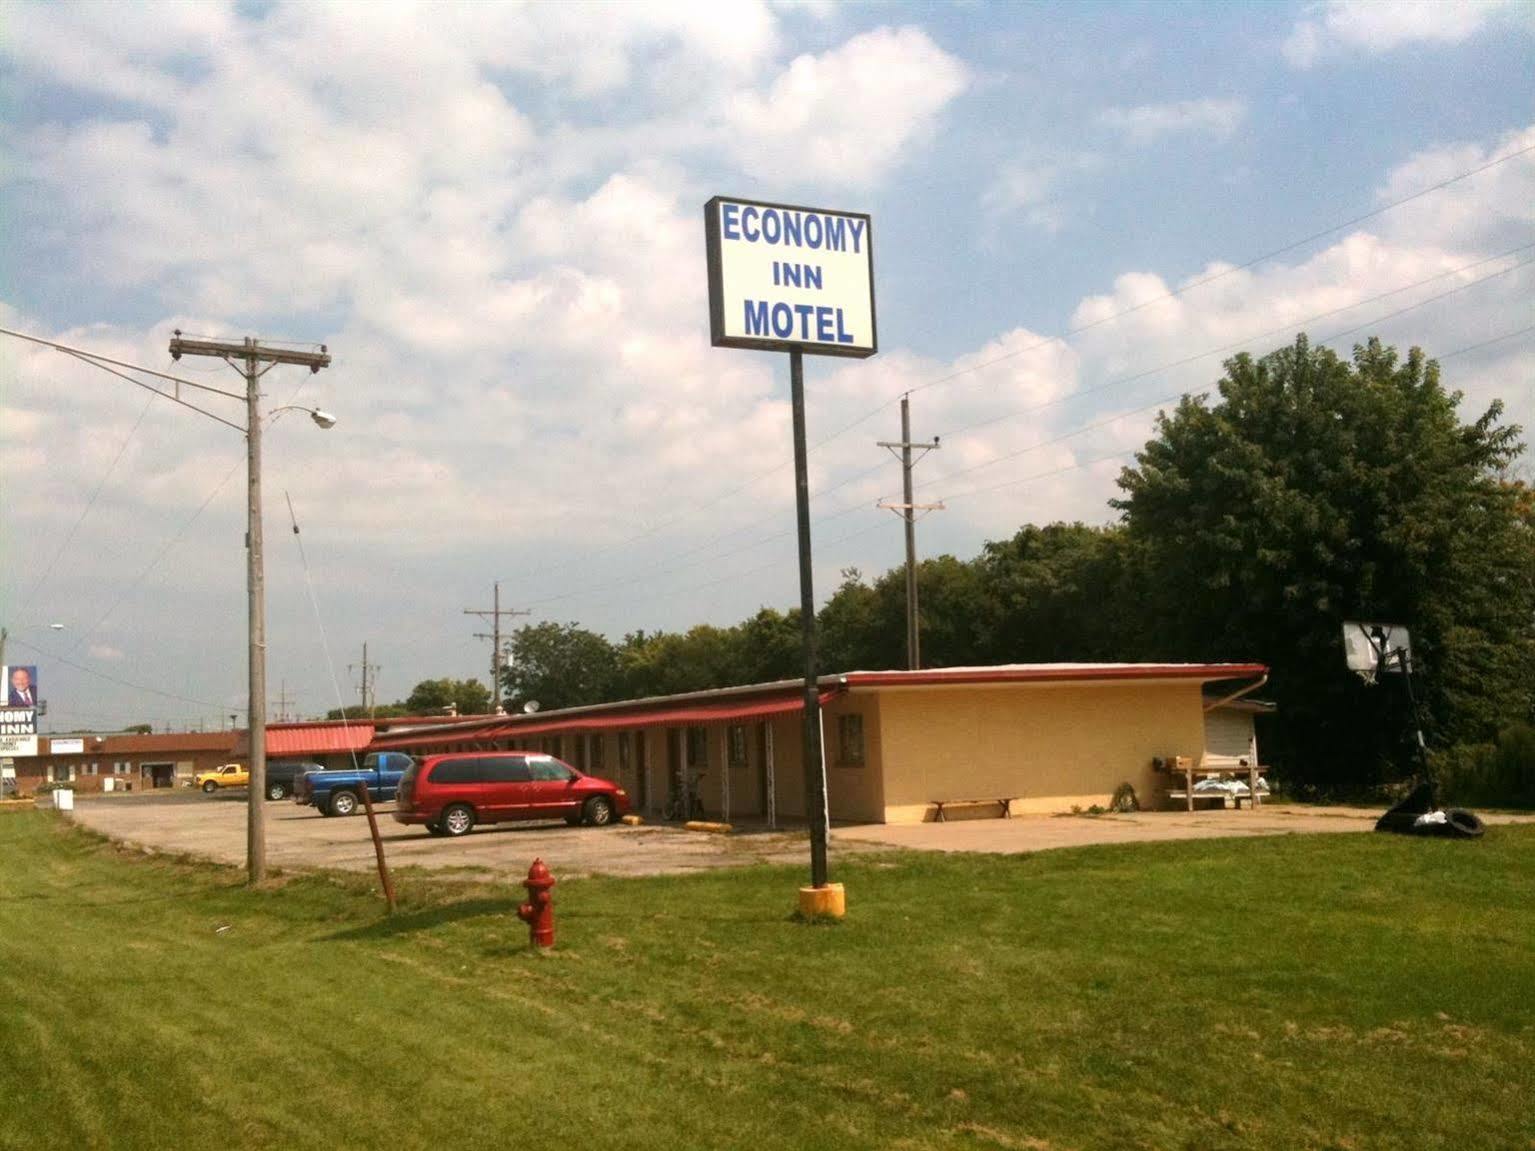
x=121, y=768
x=61, y=773
x=737, y=743
x=850, y=740
x=698, y=747
x=92, y=768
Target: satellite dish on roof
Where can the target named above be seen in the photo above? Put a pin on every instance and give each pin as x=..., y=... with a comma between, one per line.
x=531, y=706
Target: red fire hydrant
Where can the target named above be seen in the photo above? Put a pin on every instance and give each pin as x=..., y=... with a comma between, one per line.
x=538, y=911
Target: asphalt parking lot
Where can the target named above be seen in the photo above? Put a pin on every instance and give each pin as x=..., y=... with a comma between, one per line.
x=213, y=827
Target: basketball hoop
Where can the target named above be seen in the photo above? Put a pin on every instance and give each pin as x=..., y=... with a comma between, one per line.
x=1372, y=648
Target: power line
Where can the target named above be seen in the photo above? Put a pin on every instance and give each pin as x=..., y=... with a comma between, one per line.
x=1210, y=279
x=1223, y=348
x=119, y=680
x=669, y=567
x=89, y=504
x=170, y=544
x=694, y=509
x=1286, y=326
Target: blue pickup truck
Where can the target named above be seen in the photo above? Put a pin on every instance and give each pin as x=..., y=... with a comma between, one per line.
x=340, y=792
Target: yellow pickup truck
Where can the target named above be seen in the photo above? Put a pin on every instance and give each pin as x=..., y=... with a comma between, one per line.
x=229, y=775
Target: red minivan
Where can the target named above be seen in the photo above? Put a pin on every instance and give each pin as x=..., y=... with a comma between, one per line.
x=449, y=794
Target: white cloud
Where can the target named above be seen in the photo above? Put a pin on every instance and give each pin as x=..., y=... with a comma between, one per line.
x=1150, y=123
x=1038, y=191
x=1376, y=27
x=511, y=286
x=848, y=115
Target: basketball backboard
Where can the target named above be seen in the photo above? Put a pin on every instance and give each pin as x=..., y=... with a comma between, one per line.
x=1370, y=648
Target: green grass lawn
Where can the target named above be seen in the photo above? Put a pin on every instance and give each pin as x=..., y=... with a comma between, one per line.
x=1348, y=991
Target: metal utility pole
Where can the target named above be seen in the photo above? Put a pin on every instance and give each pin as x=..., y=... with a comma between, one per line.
x=494, y=635
x=909, y=511
x=815, y=780
x=369, y=680
x=248, y=357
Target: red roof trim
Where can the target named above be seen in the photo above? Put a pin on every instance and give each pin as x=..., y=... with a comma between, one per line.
x=1058, y=674
x=722, y=712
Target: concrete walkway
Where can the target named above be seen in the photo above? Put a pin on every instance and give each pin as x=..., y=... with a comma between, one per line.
x=1041, y=832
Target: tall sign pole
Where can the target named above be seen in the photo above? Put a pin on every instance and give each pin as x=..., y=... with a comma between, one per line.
x=816, y=804
x=785, y=278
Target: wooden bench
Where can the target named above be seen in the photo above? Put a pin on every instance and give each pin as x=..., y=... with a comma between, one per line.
x=940, y=804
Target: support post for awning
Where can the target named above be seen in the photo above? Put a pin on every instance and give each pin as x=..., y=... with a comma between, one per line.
x=772, y=784
x=725, y=772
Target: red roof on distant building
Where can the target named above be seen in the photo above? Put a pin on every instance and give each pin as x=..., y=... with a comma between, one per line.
x=311, y=738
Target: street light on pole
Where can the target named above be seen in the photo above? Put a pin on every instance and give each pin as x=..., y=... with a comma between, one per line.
x=247, y=358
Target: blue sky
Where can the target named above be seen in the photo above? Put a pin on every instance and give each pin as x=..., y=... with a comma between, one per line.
x=491, y=214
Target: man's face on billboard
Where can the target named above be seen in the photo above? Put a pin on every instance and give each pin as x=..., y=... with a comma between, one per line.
x=21, y=679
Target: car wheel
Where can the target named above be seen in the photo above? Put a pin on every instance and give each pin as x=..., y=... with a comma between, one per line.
x=276, y=791
x=343, y=803
x=457, y=820
x=599, y=811
x=210, y=787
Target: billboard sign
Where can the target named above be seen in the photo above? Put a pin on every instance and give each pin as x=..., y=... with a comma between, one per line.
x=783, y=277
x=18, y=718
x=66, y=747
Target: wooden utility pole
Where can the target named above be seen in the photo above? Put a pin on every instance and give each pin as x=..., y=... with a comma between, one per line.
x=253, y=359
x=494, y=635
x=909, y=511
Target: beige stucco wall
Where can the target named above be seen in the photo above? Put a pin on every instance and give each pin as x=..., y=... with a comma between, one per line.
x=1045, y=746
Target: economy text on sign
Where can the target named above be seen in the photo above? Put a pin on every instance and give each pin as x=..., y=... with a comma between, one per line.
x=784, y=277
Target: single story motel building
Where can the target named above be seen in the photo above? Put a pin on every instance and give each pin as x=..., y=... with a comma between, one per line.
x=1045, y=737
x=895, y=744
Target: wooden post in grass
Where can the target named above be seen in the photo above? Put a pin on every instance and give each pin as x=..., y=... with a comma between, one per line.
x=378, y=847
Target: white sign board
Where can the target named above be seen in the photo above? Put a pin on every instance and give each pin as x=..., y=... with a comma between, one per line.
x=783, y=277
x=17, y=746
x=66, y=747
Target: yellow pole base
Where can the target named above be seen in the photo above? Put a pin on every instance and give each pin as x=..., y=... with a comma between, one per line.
x=632, y=820
x=829, y=902
x=705, y=825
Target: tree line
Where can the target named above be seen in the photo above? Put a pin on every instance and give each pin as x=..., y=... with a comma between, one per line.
x=1310, y=489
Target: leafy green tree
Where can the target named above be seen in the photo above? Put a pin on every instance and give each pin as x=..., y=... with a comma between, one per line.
x=1059, y=593
x=856, y=630
x=560, y=665
x=1317, y=490
x=468, y=696
x=357, y=711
